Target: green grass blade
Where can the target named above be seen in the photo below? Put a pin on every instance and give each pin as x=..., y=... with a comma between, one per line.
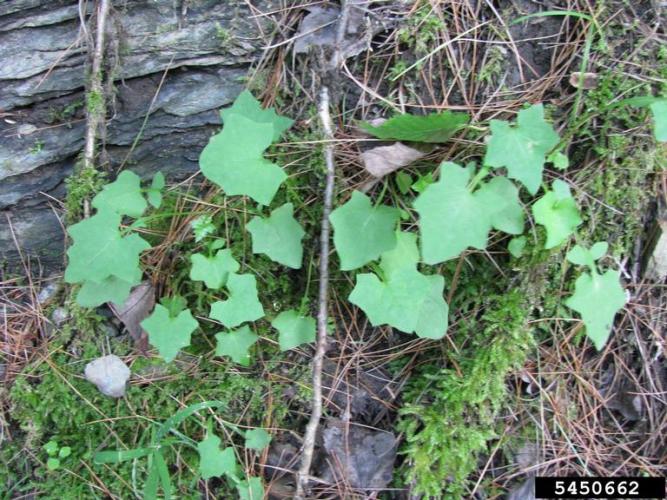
x=163, y=473
x=550, y=13
x=117, y=456
x=181, y=415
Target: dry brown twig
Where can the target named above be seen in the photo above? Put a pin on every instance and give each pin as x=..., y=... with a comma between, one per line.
x=323, y=295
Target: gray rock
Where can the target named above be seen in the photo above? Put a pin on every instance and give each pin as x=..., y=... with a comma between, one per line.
x=59, y=316
x=363, y=456
x=109, y=330
x=207, y=47
x=109, y=374
x=47, y=293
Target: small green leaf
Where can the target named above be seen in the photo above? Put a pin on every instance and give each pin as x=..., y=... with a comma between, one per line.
x=659, y=111
x=559, y=160
x=363, y=231
x=100, y=250
x=252, y=489
x=202, y=226
x=123, y=196
x=154, y=193
x=423, y=182
x=214, y=462
x=278, y=236
x=452, y=218
x=169, y=334
x=597, y=298
x=246, y=105
x=233, y=160
x=51, y=447
x=293, y=329
x=582, y=256
x=213, y=271
x=403, y=182
x=516, y=246
x=65, y=452
x=236, y=344
x=557, y=211
x=257, y=439
x=522, y=148
x=52, y=463
x=242, y=304
x=433, y=128
x=406, y=299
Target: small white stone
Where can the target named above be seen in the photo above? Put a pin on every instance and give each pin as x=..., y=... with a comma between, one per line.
x=59, y=316
x=26, y=129
x=109, y=374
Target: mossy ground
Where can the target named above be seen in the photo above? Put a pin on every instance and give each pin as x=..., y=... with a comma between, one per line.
x=456, y=402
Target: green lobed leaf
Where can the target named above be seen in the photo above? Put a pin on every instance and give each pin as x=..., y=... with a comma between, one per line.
x=252, y=489
x=154, y=193
x=123, y=196
x=246, y=105
x=432, y=128
x=242, y=304
x=169, y=334
x=586, y=257
x=233, y=160
x=111, y=289
x=452, y=218
x=213, y=271
x=214, y=462
x=597, y=298
x=659, y=111
x=405, y=299
x=293, y=329
x=257, y=439
x=557, y=211
x=100, y=250
x=236, y=344
x=278, y=236
x=363, y=231
x=522, y=148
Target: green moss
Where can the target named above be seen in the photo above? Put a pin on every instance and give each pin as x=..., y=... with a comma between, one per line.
x=453, y=411
x=95, y=103
x=82, y=185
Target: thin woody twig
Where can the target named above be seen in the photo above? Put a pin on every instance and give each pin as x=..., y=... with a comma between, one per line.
x=323, y=300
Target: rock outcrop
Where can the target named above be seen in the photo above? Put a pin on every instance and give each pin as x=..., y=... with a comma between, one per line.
x=204, y=46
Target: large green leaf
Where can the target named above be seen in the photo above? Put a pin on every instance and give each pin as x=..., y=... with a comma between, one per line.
x=233, y=160
x=169, y=334
x=214, y=462
x=453, y=218
x=293, y=329
x=154, y=193
x=100, y=250
x=236, y=344
x=111, y=289
x=246, y=105
x=278, y=236
x=213, y=271
x=558, y=213
x=435, y=127
x=242, y=304
x=405, y=298
x=123, y=196
x=363, y=231
x=522, y=148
